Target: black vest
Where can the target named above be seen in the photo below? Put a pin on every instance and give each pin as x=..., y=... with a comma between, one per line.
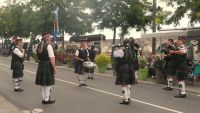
x=82, y=54
x=16, y=58
x=44, y=56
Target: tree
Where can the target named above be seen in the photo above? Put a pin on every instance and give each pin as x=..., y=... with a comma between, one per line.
x=183, y=7
x=72, y=16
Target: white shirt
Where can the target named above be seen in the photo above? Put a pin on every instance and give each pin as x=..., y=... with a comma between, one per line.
x=77, y=52
x=17, y=52
x=50, y=51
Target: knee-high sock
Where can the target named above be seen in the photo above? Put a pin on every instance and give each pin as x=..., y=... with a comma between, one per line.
x=169, y=82
x=16, y=83
x=129, y=91
x=47, y=92
x=124, y=92
x=182, y=87
x=43, y=92
x=136, y=75
x=81, y=79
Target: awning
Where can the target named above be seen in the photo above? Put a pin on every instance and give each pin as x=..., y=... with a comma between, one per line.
x=87, y=38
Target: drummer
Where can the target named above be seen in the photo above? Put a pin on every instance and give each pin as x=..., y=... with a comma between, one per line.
x=81, y=56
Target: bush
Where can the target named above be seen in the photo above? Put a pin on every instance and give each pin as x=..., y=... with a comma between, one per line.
x=35, y=57
x=102, y=61
x=142, y=62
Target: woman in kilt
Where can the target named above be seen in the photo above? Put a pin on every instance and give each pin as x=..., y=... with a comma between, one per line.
x=180, y=66
x=17, y=64
x=124, y=70
x=46, y=68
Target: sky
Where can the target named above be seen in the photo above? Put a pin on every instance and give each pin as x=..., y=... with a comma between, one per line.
x=109, y=33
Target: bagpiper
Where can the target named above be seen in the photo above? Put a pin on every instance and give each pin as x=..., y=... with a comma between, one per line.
x=180, y=66
x=46, y=68
x=17, y=64
x=123, y=64
x=169, y=63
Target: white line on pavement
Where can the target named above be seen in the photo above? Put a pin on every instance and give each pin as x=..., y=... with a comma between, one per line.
x=102, y=91
x=198, y=95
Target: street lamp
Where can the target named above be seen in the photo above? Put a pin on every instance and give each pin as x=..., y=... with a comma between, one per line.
x=154, y=26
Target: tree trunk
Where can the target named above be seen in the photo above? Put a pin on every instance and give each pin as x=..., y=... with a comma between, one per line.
x=114, y=35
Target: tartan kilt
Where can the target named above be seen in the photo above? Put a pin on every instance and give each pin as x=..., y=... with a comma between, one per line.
x=79, y=69
x=136, y=64
x=182, y=71
x=125, y=75
x=17, y=68
x=170, y=69
x=45, y=74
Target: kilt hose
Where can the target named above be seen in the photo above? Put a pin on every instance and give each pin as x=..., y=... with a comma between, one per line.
x=125, y=75
x=45, y=74
x=17, y=68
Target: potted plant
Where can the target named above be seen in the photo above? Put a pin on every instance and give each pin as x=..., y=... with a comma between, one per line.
x=143, y=71
x=102, y=61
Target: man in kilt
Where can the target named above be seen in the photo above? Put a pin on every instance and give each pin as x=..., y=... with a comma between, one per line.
x=81, y=55
x=17, y=64
x=13, y=44
x=135, y=57
x=169, y=63
x=46, y=68
x=123, y=58
x=180, y=66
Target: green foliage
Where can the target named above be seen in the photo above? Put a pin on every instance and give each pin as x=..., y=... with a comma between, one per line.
x=142, y=62
x=142, y=74
x=102, y=60
x=183, y=7
x=35, y=57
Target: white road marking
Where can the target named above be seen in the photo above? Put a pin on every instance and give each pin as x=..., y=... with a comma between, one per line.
x=198, y=95
x=102, y=91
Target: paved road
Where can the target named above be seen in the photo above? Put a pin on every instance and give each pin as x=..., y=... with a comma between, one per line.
x=102, y=96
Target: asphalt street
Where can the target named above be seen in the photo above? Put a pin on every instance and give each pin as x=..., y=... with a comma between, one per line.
x=101, y=95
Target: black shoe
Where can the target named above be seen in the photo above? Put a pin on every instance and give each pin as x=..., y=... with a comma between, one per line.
x=168, y=88
x=129, y=100
x=18, y=90
x=84, y=85
x=125, y=102
x=92, y=78
x=88, y=77
x=50, y=101
x=180, y=96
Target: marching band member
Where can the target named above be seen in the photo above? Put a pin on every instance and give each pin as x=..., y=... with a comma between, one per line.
x=46, y=68
x=81, y=55
x=169, y=68
x=124, y=70
x=180, y=66
x=17, y=64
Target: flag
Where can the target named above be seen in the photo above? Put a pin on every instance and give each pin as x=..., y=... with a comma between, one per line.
x=56, y=26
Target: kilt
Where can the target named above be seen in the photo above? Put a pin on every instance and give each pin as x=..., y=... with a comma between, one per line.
x=17, y=68
x=136, y=64
x=79, y=69
x=170, y=68
x=125, y=75
x=182, y=71
x=45, y=74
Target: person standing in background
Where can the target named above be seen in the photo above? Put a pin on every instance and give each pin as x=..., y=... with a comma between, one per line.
x=92, y=55
x=46, y=68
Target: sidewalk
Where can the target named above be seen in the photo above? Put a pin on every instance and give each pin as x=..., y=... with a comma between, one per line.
x=7, y=107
